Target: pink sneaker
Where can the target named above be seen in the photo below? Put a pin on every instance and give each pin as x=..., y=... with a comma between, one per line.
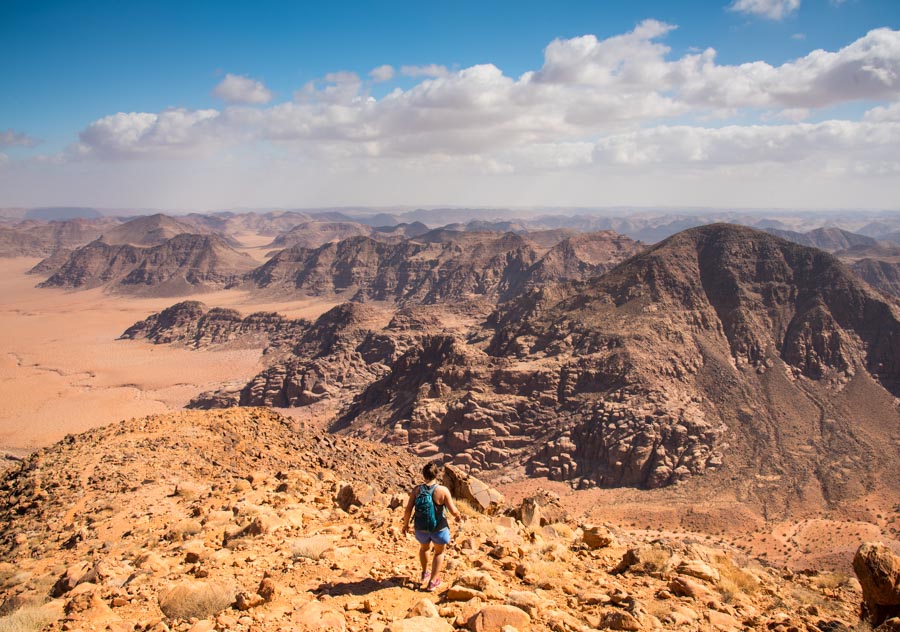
x=433, y=584
x=425, y=577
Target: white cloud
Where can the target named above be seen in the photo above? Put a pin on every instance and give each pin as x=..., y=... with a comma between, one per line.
x=134, y=134
x=771, y=9
x=11, y=138
x=382, y=73
x=852, y=144
x=241, y=89
x=594, y=103
x=431, y=70
x=883, y=113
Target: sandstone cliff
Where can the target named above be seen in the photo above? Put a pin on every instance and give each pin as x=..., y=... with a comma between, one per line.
x=182, y=264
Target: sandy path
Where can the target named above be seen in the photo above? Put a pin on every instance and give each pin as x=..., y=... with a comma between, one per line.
x=63, y=371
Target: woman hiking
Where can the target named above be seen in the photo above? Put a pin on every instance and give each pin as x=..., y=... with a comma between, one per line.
x=430, y=501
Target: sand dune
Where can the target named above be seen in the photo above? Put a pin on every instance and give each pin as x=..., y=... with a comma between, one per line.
x=62, y=369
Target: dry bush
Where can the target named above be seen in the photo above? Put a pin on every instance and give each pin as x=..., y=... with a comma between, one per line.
x=653, y=559
x=312, y=548
x=560, y=530
x=829, y=581
x=734, y=580
x=196, y=600
x=28, y=619
x=467, y=509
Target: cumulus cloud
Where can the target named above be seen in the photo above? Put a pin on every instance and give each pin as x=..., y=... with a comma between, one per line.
x=883, y=113
x=691, y=146
x=382, y=73
x=770, y=9
x=137, y=134
x=430, y=70
x=592, y=102
x=12, y=138
x=241, y=89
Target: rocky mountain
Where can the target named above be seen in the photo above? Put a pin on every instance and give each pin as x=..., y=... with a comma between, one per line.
x=827, y=239
x=313, y=234
x=244, y=519
x=440, y=265
x=43, y=239
x=149, y=230
x=721, y=351
x=482, y=266
x=880, y=274
x=721, y=356
x=193, y=324
x=269, y=223
x=184, y=263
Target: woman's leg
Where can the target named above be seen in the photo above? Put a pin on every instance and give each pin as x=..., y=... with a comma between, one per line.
x=423, y=556
x=437, y=562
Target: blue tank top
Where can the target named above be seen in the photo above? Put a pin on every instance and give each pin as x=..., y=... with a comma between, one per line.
x=438, y=511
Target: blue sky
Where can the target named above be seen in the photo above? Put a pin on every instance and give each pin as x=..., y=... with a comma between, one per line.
x=69, y=66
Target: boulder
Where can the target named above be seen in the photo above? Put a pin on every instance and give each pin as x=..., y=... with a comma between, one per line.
x=878, y=570
x=698, y=569
x=358, y=494
x=683, y=586
x=477, y=493
x=317, y=617
x=419, y=624
x=619, y=620
x=423, y=608
x=596, y=537
x=195, y=599
x=494, y=617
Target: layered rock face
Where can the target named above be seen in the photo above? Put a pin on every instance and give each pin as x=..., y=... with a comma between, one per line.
x=722, y=349
x=195, y=325
x=645, y=376
x=182, y=263
x=440, y=266
x=827, y=239
x=880, y=274
x=150, y=230
x=43, y=239
x=313, y=234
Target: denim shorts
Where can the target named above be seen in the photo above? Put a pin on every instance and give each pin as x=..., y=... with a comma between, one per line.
x=438, y=537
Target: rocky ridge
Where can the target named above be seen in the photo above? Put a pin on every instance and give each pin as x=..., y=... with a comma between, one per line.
x=43, y=239
x=186, y=262
x=752, y=328
x=778, y=371
x=277, y=527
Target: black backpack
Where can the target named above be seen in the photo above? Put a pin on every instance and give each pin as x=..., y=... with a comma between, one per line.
x=425, y=518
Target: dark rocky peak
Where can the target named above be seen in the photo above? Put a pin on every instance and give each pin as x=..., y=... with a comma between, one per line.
x=193, y=324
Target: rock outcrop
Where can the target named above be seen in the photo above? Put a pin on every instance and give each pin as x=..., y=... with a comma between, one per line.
x=242, y=519
x=185, y=263
x=880, y=274
x=44, y=239
x=193, y=324
x=878, y=570
x=440, y=266
x=646, y=375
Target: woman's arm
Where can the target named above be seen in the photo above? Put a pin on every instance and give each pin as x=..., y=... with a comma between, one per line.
x=407, y=513
x=447, y=501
